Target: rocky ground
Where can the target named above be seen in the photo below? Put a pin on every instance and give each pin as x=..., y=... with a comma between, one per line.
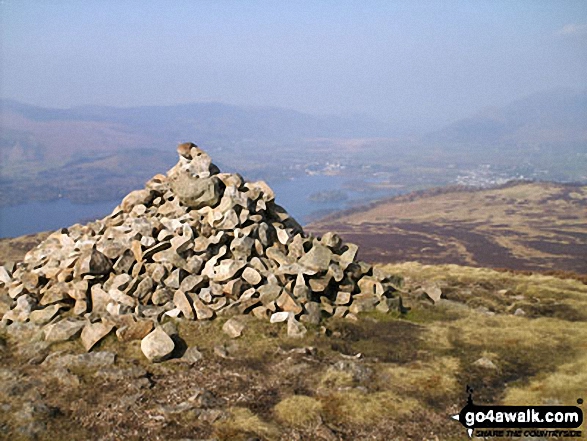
x=384, y=376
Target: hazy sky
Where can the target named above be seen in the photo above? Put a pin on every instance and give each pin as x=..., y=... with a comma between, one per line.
x=404, y=62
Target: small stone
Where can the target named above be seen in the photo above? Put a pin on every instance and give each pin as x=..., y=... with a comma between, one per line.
x=144, y=288
x=226, y=270
x=351, y=317
x=135, y=331
x=219, y=304
x=317, y=259
x=485, y=363
x=383, y=306
x=64, y=330
x=185, y=148
x=30, y=281
x=432, y=291
x=203, y=312
x=122, y=298
x=146, y=241
x=181, y=243
x=287, y=303
x=233, y=328
x=181, y=301
x=162, y=296
x=125, y=262
x=282, y=236
x=260, y=312
x=173, y=281
x=313, y=313
x=42, y=316
x=92, y=263
x=370, y=285
x=121, y=281
x=320, y=284
x=134, y=198
x=348, y=256
x=331, y=240
x=295, y=329
x=170, y=328
x=279, y=317
x=57, y=293
x=196, y=192
x=157, y=346
x=191, y=282
x=4, y=276
x=363, y=304
x=269, y=292
x=221, y=351
x=192, y=355
x=15, y=289
x=94, y=332
x=252, y=276
x=100, y=299
x=343, y=298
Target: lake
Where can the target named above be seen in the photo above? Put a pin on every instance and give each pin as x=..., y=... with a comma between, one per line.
x=293, y=195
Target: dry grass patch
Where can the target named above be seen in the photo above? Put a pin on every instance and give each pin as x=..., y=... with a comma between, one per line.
x=299, y=411
x=359, y=408
x=542, y=294
x=336, y=379
x=242, y=423
x=563, y=386
x=432, y=381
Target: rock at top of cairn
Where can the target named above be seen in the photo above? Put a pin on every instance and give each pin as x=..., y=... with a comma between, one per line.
x=193, y=244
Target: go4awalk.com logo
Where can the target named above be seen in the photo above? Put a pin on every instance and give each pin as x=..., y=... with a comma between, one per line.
x=517, y=421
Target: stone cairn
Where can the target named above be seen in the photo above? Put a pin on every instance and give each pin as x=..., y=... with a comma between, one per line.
x=196, y=244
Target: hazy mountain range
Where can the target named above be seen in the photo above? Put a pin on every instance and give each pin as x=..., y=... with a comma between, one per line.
x=95, y=152
x=557, y=116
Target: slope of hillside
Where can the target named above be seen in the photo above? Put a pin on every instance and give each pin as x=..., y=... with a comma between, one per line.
x=523, y=226
x=381, y=377
x=555, y=116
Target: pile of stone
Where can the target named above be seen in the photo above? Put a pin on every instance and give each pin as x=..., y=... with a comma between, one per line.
x=194, y=244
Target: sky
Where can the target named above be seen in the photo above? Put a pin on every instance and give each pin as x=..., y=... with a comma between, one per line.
x=412, y=64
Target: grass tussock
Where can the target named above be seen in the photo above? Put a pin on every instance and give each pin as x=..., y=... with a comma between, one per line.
x=359, y=408
x=336, y=379
x=431, y=381
x=539, y=295
x=299, y=411
x=563, y=386
x=242, y=423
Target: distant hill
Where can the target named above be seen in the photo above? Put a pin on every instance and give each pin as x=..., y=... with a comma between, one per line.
x=555, y=116
x=154, y=126
x=83, y=153
x=521, y=226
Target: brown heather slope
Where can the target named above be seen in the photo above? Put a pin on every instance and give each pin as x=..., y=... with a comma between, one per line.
x=520, y=226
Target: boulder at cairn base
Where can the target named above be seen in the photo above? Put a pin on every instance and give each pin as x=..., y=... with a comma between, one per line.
x=157, y=346
x=194, y=244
